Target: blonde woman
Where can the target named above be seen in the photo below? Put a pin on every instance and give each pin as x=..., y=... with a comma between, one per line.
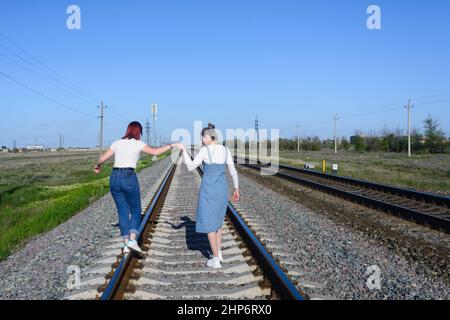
x=213, y=197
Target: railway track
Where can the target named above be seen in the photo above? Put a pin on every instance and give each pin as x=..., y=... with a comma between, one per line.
x=423, y=208
x=174, y=266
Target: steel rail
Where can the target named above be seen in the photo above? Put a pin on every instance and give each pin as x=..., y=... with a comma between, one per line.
x=418, y=195
x=113, y=287
x=434, y=221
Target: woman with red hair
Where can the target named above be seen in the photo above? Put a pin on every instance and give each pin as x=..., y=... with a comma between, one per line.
x=124, y=184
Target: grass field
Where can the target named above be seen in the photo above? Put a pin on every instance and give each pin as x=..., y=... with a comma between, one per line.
x=39, y=191
x=426, y=172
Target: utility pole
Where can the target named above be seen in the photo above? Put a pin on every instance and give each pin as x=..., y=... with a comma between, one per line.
x=335, y=118
x=409, y=106
x=14, y=145
x=298, y=137
x=147, y=132
x=102, y=108
x=154, y=113
x=257, y=136
x=60, y=146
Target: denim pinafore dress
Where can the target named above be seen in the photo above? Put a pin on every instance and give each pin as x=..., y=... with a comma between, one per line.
x=213, y=197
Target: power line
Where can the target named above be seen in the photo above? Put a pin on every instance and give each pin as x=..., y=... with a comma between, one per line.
x=73, y=88
x=35, y=67
x=432, y=102
x=119, y=115
x=397, y=106
x=54, y=81
x=50, y=98
x=45, y=96
x=37, y=75
x=55, y=75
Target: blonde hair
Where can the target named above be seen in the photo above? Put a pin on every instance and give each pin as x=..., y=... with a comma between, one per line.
x=209, y=130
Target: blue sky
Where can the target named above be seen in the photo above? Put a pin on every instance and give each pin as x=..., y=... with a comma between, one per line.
x=222, y=62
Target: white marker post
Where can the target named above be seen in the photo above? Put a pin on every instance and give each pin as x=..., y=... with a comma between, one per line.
x=335, y=168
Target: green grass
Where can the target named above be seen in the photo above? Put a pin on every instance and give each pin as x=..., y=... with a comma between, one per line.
x=36, y=194
x=430, y=173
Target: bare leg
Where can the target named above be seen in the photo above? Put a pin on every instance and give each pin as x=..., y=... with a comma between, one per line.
x=133, y=236
x=212, y=237
x=219, y=239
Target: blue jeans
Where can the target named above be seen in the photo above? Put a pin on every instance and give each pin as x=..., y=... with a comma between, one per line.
x=126, y=193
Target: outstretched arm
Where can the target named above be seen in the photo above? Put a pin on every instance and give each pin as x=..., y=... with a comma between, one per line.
x=156, y=151
x=193, y=164
x=103, y=158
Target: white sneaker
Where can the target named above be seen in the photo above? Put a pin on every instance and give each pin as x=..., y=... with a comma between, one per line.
x=133, y=246
x=125, y=249
x=220, y=256
x=214, y=263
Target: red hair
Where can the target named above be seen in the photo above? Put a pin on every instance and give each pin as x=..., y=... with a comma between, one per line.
x=134, y=131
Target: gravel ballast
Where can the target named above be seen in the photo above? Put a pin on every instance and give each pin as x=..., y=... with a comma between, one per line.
x=335, y=243
x=40, y=269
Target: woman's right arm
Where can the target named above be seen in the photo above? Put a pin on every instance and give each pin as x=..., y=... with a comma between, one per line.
x=156, y=151
x=103, y=158
x=193, y=164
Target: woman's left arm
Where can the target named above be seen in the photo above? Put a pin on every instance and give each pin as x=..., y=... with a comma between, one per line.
x=103, y=158
x=234, y=175
x=232, y=169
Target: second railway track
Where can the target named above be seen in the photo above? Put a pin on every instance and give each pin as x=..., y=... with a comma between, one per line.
x=423, y=208
x=175, y=263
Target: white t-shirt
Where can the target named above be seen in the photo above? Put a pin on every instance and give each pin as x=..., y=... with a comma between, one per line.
x=218, y=154
x=127, y=152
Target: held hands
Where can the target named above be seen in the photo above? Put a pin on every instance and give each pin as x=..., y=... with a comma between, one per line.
x=178, y=146
x=236, y=195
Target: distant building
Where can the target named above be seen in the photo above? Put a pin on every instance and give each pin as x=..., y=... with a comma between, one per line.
x=36, y=148
x=4, y=149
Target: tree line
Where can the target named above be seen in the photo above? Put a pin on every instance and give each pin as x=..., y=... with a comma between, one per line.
x=432, y=139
